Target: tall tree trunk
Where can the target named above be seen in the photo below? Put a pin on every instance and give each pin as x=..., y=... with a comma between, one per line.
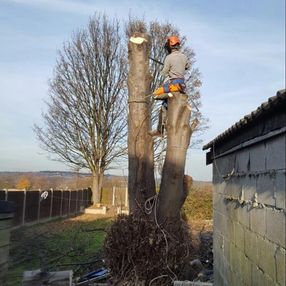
x=96, y=187
x=141, y=182
x=174, y=185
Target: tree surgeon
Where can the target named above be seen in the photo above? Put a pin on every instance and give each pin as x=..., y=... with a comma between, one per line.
x=175, y=66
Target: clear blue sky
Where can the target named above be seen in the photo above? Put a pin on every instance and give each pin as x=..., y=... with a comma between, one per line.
x=239, y=46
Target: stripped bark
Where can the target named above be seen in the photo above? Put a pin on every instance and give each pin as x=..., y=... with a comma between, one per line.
x=141, y=182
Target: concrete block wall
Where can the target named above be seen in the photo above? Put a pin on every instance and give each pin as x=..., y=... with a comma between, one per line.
x=249, y=215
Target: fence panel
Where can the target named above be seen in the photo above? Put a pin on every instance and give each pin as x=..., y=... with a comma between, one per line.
x=45, y=205
x=32, y=206
x=66, y=199
x=85, y=198
x=73, y=202
x=57, y=200
x=89, y=196
x=2, y=195
x=80, y=200
x=17, y=197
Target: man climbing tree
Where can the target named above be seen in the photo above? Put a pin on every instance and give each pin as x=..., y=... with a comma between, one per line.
x=152, y=243
x=175, y=66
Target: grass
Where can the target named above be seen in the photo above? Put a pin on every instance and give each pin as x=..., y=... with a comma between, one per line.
x=198, y=205
x=53, y=245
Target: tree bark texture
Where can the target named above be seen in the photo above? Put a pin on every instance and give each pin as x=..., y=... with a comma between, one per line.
x=174, y=184
x=141, y=182
x=96, y=187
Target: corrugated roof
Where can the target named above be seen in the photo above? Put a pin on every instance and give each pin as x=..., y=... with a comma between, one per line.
x=262, y=110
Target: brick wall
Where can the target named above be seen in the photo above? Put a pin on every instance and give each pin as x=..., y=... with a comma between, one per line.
x=30, y=208
x=249, y=215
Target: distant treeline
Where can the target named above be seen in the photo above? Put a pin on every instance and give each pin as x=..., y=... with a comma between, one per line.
x=53, y=180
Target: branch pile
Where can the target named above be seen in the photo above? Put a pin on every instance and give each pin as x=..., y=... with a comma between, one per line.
x=140, y=252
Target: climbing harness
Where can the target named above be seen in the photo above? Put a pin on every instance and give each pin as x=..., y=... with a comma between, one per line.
x=173, y=85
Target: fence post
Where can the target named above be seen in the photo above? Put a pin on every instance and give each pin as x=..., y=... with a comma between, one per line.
x=61, y=209
x=69, y=202
x=82, y=200
x=86, y=200
x=126, y=196
x=24, y=207
x=51, y=205
x=76, y=202
x=6, y=195
x=39, y=206
x=113, y=195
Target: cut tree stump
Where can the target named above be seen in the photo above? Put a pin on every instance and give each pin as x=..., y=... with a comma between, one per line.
x=141, y=182
x=174, y=184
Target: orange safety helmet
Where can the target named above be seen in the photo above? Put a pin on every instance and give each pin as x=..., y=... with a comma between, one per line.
x=173, y=41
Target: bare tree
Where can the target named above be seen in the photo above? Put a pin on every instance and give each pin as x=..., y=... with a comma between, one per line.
x=85, y=123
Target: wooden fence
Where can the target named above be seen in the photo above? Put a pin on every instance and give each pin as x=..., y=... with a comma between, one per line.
x=37, y=206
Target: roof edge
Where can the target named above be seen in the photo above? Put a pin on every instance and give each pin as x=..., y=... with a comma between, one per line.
x=263, y=109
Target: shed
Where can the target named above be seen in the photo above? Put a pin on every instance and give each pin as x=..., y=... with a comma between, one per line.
x=249, y=197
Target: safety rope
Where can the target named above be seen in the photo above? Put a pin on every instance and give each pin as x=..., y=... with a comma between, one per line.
x=149, y=205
